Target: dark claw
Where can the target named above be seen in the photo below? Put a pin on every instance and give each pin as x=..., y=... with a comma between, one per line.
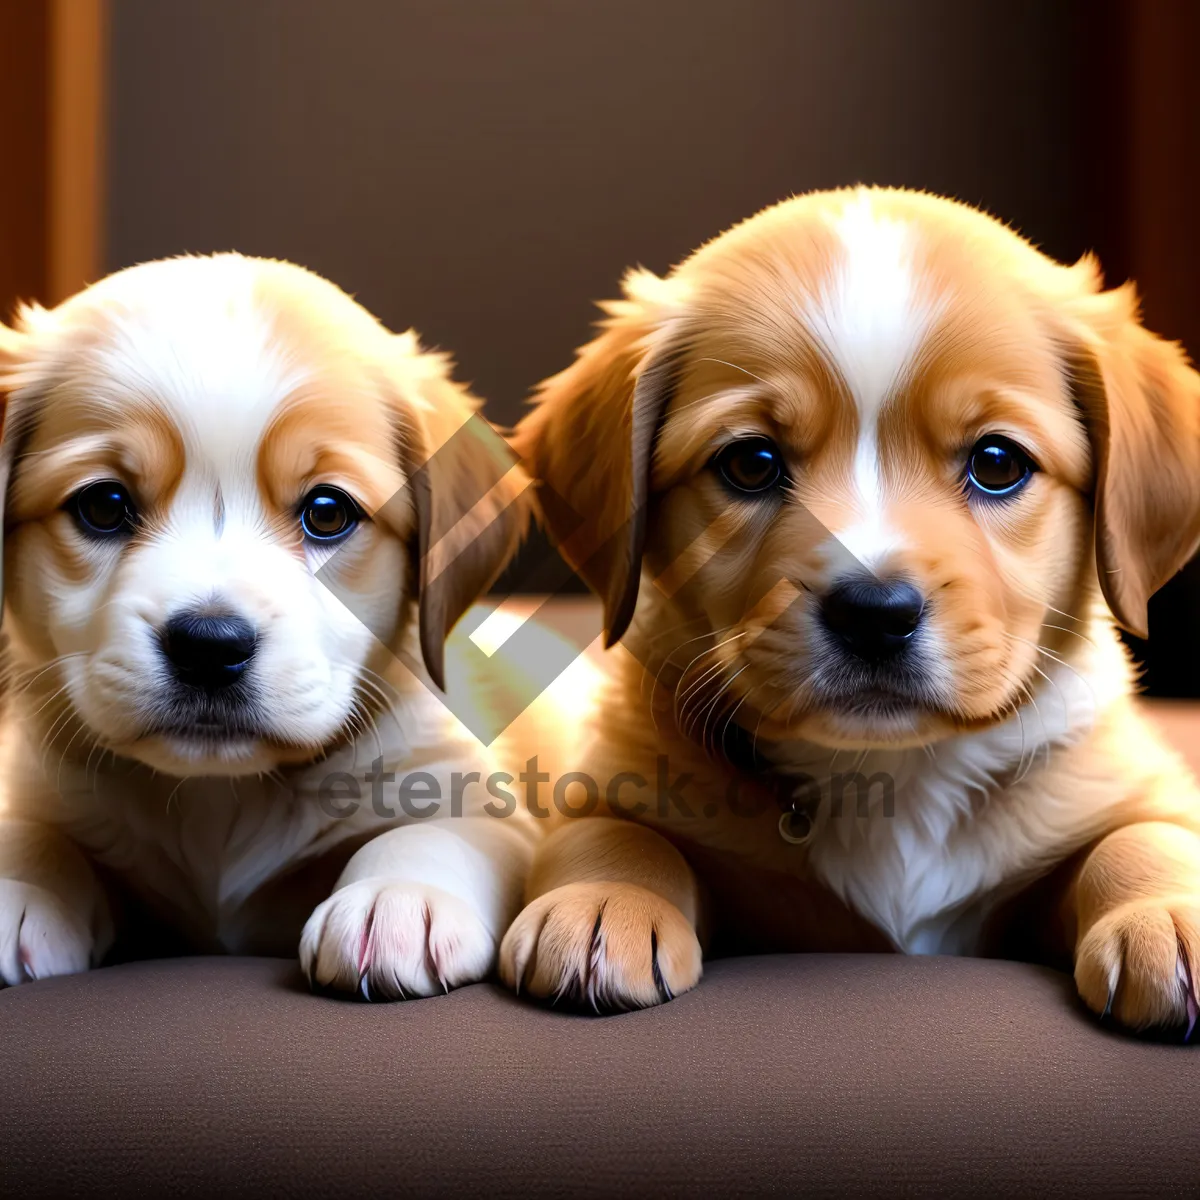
x=1191, y=1004
x=531, y=962
x=1190, y=1000
x=664, y=990
x=588, y=991
x=594, y=944
x=30, y=977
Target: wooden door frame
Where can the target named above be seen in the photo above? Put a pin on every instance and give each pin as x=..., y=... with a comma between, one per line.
x=53, y=66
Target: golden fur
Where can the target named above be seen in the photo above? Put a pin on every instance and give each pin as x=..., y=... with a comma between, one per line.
x=874, y=336
x=219, y=391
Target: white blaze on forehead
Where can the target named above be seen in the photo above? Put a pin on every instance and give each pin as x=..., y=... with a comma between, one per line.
x=870, y=320
x=205, y=354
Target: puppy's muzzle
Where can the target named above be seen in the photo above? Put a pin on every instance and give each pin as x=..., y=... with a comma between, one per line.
x=208, y=652
x=873, y=620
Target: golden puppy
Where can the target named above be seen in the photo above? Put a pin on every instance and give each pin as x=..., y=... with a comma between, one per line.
x=867, y=480
x=227, y=487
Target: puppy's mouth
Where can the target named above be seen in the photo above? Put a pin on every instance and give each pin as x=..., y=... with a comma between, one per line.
x=888, y=705
x=882, y=691
x=878, y=703
x=208, y=730
x=200, y=734
x=195, y=716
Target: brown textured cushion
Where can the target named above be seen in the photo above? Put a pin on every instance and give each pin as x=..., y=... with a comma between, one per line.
x=814, y=1074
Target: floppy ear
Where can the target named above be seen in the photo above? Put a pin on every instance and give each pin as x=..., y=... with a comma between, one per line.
x=471, y=502
x=13, y=356
x=1141, y=402
x=589, y=442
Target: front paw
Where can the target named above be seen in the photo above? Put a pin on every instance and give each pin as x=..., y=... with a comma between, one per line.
x=39, y=935
x=391, y=940
x=1140, y=964
x=609, y=946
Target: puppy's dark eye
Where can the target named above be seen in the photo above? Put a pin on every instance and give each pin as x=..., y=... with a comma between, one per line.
x=750, y=466
x=103, y=509
x=327, y=513
x=997, y=466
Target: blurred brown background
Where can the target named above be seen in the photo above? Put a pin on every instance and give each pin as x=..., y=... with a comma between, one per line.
x=484, y=171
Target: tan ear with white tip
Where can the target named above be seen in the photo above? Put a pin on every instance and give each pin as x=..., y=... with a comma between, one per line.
x=1141, y=402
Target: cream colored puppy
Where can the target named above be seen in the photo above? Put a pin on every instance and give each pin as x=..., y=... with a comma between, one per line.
x=221, y=546
x=866, y=483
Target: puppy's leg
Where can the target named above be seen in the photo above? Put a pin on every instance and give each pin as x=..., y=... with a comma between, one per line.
x=54, y=916
x=1137, y=907
x=419, y=909
x=610, y=919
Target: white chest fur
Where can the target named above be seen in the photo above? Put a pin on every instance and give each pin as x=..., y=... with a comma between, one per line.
x=915, y=862
x=970, y=819
x=198, y=851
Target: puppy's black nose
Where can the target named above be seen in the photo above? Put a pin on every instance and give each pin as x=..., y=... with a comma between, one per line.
x=874, y=620
x=208, y=652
